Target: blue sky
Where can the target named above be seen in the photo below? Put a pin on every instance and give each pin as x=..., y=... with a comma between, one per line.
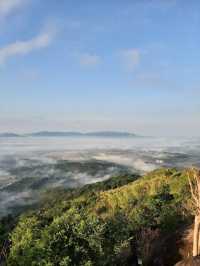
x=130, y=65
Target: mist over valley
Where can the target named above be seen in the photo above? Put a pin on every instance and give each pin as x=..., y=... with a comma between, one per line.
x=31, y=166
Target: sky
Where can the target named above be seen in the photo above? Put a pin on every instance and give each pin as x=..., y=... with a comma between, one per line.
x=124, y=65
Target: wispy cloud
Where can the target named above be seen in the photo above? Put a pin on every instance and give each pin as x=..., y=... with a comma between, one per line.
x=25, y=47
x=8, y=6
x=89, y=59
x=131, y=58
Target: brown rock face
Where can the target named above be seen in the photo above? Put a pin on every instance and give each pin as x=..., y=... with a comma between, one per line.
x=189, y=262
x=173, y=248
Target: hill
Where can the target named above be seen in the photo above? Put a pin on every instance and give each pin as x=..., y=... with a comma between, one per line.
x=106, y=134
x=8, y=135
x=107, y=223
x=80, y=134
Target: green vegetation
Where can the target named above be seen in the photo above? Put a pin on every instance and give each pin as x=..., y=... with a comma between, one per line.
x=107, y=223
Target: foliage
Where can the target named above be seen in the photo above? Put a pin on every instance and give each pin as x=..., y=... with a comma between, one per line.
x=98, y=224
x=6, y=225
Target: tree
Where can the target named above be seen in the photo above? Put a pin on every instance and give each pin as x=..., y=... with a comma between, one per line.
x=194, y=181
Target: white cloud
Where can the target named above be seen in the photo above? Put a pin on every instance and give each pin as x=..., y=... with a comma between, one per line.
x=131, y=58
x=90, y=59
x=8, y=6
x=25, y=47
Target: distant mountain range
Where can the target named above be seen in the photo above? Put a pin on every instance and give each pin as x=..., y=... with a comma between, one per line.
x=110, y=134
x=9, y=135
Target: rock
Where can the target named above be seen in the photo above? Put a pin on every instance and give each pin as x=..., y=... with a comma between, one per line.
x=189, y=262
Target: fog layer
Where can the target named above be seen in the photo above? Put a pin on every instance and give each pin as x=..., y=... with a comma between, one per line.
x=29, y=166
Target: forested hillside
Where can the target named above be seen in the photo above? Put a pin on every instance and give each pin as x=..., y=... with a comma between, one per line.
x=114, y=222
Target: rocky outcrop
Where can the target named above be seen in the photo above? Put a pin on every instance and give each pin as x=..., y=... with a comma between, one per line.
x=189, y=262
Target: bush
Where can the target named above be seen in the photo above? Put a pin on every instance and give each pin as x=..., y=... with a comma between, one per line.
x=96, y=225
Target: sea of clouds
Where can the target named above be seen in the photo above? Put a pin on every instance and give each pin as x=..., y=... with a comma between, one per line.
x=29, y=166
